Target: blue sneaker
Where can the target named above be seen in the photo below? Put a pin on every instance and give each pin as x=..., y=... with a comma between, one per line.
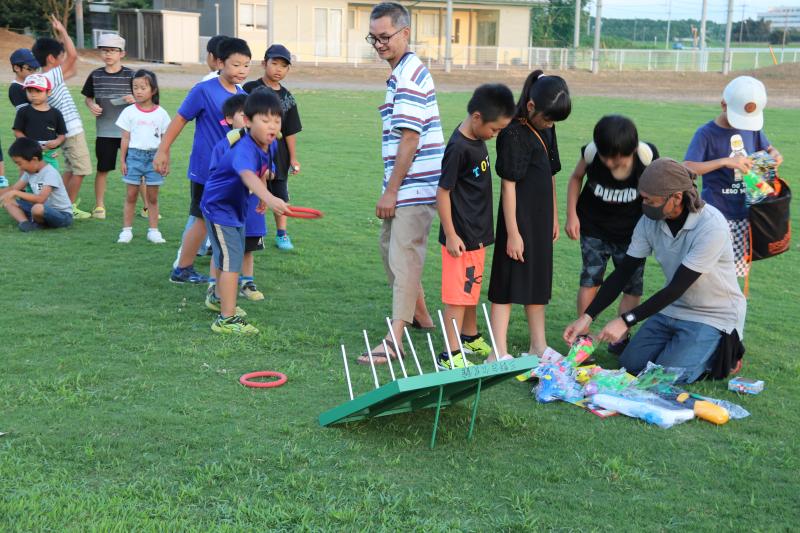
x=3, y=182
x=283, y=242
x=187, y=275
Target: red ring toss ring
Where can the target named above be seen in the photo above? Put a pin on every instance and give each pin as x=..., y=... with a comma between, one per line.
x=303, y=212
x=245, y=380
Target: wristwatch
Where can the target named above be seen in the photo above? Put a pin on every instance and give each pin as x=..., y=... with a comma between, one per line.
x=629, y=319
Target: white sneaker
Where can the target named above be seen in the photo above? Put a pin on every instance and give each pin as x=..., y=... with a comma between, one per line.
x=125, y=236
x=153, y=235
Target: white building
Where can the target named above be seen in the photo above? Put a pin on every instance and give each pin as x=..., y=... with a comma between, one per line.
x=782, y=17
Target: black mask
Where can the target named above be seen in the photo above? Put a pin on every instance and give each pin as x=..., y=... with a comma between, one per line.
x=655, y=212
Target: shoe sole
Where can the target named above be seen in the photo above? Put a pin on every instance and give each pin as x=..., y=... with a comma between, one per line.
x=224, y=331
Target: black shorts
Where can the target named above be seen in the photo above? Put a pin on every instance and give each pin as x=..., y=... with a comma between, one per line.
x=106, y=149
x=253, y=244
x=196, y=193
x=279, y=188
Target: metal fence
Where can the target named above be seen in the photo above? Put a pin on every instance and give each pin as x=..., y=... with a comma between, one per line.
x=499, y=57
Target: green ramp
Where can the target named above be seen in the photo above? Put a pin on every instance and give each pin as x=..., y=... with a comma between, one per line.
x=426, y=391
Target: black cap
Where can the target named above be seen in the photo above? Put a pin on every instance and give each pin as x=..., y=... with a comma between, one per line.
x=280, y=51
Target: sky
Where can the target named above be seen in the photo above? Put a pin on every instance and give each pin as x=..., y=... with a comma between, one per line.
x=682, y=9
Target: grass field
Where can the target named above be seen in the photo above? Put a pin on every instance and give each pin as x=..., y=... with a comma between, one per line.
x=122, y=410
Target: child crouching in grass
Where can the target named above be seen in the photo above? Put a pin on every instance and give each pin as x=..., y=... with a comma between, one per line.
x=143, y=124
x=47, y=205
x=243, y=169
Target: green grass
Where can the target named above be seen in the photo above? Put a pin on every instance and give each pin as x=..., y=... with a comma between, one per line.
x=123, y=411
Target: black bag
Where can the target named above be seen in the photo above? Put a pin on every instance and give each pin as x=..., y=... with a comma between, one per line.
x=770, y=226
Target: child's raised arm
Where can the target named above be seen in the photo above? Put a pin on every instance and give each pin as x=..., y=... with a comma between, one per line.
x=68, y=68
x=573, y=225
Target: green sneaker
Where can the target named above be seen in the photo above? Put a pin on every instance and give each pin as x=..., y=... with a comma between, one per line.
x=233, y=324
x=478, y=347
x=458, y=361
x=212, y=302
x=77, y=214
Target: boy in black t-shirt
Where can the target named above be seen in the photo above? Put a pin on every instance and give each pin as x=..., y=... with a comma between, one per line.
x=605, y=212
x=23, y=64
x=277, y=62
x=39, y=121
x=464, y=202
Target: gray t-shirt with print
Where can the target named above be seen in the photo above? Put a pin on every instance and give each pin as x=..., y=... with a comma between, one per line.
x=58, y=198
x=702, y=245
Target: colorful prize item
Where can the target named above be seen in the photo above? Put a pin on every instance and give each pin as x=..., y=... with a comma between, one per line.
x=303, y=212
x=746, y=385
x=245, y=380
x=581, y=350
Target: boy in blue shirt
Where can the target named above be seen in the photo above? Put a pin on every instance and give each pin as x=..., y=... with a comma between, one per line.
x=203, y=103
x=243, y=169
x=712, y=154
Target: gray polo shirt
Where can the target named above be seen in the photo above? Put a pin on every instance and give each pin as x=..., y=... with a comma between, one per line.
x=702, y=245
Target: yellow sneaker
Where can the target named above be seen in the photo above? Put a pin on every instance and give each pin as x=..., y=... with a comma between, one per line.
x=99, y=212
x=235, y=325
x=77, y=214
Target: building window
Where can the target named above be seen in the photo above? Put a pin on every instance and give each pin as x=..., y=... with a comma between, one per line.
x=253, y=16
x=457, y=31
x=429, y=25
x=351, y=19
x=327, y=32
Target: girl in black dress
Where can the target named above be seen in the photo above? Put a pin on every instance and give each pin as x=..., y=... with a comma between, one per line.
x=527, y=224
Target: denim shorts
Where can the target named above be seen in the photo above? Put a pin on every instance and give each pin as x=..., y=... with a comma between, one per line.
x=227, y=245
x=140, y=165
x=52, y=217
x=596, y=253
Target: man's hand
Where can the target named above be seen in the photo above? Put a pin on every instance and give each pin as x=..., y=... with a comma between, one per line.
x=515, y=247
x=455, y=246
x=613, y=331
x=740, y=163
x=386, y=205
x=579, y=327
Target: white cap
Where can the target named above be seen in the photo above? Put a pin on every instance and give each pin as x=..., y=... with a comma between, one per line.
x=745, y=98
x=111, y=40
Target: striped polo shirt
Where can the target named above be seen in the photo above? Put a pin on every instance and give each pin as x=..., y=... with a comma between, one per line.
x=62, y=100
x=411, y=104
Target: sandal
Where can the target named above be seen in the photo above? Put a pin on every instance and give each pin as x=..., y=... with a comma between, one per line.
x=380, y=357
x=417, y=325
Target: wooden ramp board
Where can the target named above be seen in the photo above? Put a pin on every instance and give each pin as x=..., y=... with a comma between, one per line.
x=433, y=390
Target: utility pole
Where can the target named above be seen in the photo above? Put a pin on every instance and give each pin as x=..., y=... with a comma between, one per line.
x=270, y=22
x=669, y=21
x=448, y=38
x=79, y=23
x=741, y=25
x=703, y=36
x=576, y=36
x=726, y=57
x=216, y=18
x=598, y=22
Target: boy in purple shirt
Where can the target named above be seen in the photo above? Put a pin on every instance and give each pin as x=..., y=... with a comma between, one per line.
x=203, y=104
x=243, y=169
x=711, y=153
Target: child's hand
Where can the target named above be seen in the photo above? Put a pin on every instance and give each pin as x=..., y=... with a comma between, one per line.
x=278, y=206
x=295, y=167
x=161, y=163
x=58, y=28
x=455, y=246
x=129, y=98
x=556, y=229
x=95, y=109
x=124, y=168
x=515, y=247
x=739, y=162
x=776, y=155
x=573, y=227
x=261, y=208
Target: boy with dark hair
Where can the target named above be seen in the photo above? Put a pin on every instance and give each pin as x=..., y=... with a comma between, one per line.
x=107, y=92
x=203, y=103
x=464, y=202
x=277, y=61
x=241, y=171
x=58, y=60
x=23, y=64
x=39, y=121
x=212, y=56
x=605, y=212
x=47, y=205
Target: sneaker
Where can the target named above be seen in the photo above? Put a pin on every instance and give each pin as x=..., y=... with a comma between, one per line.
x=478, y=347
x=77, y=214
x=143, y=213
x=618, y=347
x=283, y=242
x=3, y=182
x=212, y=302
x=153, y=235
x=233, y=324
x=458, y=361
x=125, y=236
x=187, y=275
x=27, y=226
x=251, y=292
x=99, y=212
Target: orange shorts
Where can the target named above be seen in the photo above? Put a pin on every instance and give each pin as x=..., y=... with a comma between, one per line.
x=462, y=277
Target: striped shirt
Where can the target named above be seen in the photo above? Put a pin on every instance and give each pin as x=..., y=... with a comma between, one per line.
x=62, y=100
x=108, y=90
x=411, y=104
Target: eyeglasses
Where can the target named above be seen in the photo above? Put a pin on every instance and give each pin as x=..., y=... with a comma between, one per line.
x=372, y=39
x=110, y=51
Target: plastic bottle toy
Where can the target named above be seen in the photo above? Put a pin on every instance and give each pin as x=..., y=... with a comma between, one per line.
x=581, y=350
x=757, y=187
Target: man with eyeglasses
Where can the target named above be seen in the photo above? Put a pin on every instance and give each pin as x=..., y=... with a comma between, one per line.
x=23, y=64
x=412, y=147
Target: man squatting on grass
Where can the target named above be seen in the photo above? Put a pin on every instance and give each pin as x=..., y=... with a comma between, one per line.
x=412, y=148
x=698, y=317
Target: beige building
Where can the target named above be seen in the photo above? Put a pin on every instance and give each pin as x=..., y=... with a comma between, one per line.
x=483, y=32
